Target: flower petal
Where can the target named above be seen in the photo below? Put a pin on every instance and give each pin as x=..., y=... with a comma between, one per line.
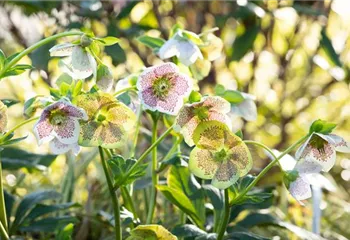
x=68, y=131
x=217, y=104
x=3, y=117
x=246, y=109
x=301, y=149
x=112, y=136
x=300, y=189
x=171, y=105
x=169, y=49
x=121, y=115
x=307, y=167
x=202, y=164
x=239, y=154
x=185, y=115
x=62, y=50
x=71, y=110
x=90, y=134
x=59, y=148
x=340, y=144
x=188, y=130
x=43, y=130
x=210, y=135
x=82, y=66
x=189, y=52
x=226, y=175
x=182, y=85
x=89, y=103
x=325, y=157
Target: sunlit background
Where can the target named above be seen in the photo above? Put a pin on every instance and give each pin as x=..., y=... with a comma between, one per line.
x=294, y=56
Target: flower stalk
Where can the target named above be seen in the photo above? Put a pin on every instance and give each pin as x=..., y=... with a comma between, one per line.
x=16, y=127
x=117, y=222
x=3, y=217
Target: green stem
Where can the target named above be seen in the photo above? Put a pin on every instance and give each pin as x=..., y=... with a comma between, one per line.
x=133, y=88
x=3, y=232
x=137, y=131
x=153, y=200
x=117, y=223
x=268, y=167
x=226, y=216
x=264, y=147
x=16, y=127
x=129, y=202
x=69, y=179
x=3, y=217
x=144, y=155
x=35, y=46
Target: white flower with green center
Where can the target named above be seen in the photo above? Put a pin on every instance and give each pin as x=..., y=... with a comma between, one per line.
x=219, y=155
x=79, y=63
x=184, y=49
x=3, y=117
x=209, y=108
x=321, y=149
x=163, y=88
x=109, y=121
x=59, y=123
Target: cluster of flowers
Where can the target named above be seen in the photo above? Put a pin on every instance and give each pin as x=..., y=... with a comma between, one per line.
x=97, y=118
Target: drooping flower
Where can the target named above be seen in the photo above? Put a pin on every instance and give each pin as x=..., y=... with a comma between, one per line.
x=3, y=117
x=109, y=121
x=104, y=78
x=209, y=108
x=212, y=48
x=59, y=120
x=163, y=88
x=219, y=155
x=183, y=48
x=57, y=147
x=79, y=63
x=247, y=108
x=301, y=175
x=321, y=149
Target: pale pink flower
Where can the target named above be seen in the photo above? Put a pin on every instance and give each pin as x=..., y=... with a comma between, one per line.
x=163, y=88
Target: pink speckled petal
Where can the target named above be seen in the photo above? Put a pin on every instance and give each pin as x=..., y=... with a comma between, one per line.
x=325, y=157
x=164, y=69
x=72, y=111
x=226, y=175
x=62, y=50
x=43, y=130
x=340, y=144
x=300, y=189
x=202, y=164
x=217, y=104
x=171, y=105
x=188, y=130
x=182, y=84
x=68, y=131
x=220, y=117
x=148, y=99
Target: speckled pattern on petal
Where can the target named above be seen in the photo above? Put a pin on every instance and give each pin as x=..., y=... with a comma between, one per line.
x=201, y=163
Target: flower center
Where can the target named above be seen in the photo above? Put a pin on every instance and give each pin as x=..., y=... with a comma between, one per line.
x=162, y=86
x=57, y=118
x=202, y=113
x=221, y=155
x=318, y=143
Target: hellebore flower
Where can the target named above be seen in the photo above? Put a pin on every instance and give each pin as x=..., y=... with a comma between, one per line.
x=212, y=48
x=184, y=49
x=162, y=88
x=247, y=108
x=59, y=148
x=104, y=78
x=219, y=155
x=301, y=175
x=59, y=120
x=321, y=149
x=3, y=117
x=80, y=64
x=109, y=121
x=209, y=108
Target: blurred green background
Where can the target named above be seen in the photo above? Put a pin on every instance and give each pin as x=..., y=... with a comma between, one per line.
x=294, y=56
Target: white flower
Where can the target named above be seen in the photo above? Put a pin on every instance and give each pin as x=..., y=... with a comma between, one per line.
x=321, y=149
x=308, y=175
x=58, y=148
x=79, y=64
x=247, y=108
x=184, y=49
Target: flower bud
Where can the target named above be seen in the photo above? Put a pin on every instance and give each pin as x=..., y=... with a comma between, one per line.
x=85, y=41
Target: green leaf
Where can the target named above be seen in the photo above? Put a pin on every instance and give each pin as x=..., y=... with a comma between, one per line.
x=2, y=59
x=188, y=230
x=120, y=167
x=151, y=232
x=217, y=199
x=42, y=209
x=179, y=199
x=64, y=89
x=320, y=126
x=244, y=236
x=14, y=158
x=9, y=203
x=327, y=46
x=219, y=89
x=244, y=43
x=108, y=41
x=33, y=104
x=192, y=37
x=29, y=202
x=233, y=96
x=151, y=42
x=56, y=93
x=116, y=53
x=175, y=29
x=210, y=236
x=17, y=70
x=77, y=88
x=48, y=225
x=13, y=141
x=125, y=12
x=66, y=233
x=9, y=102
x=64, y=78
x=239, y=133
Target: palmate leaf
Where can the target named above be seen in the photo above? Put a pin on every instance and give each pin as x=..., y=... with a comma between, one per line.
x=120, y=167
x=253, y=197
